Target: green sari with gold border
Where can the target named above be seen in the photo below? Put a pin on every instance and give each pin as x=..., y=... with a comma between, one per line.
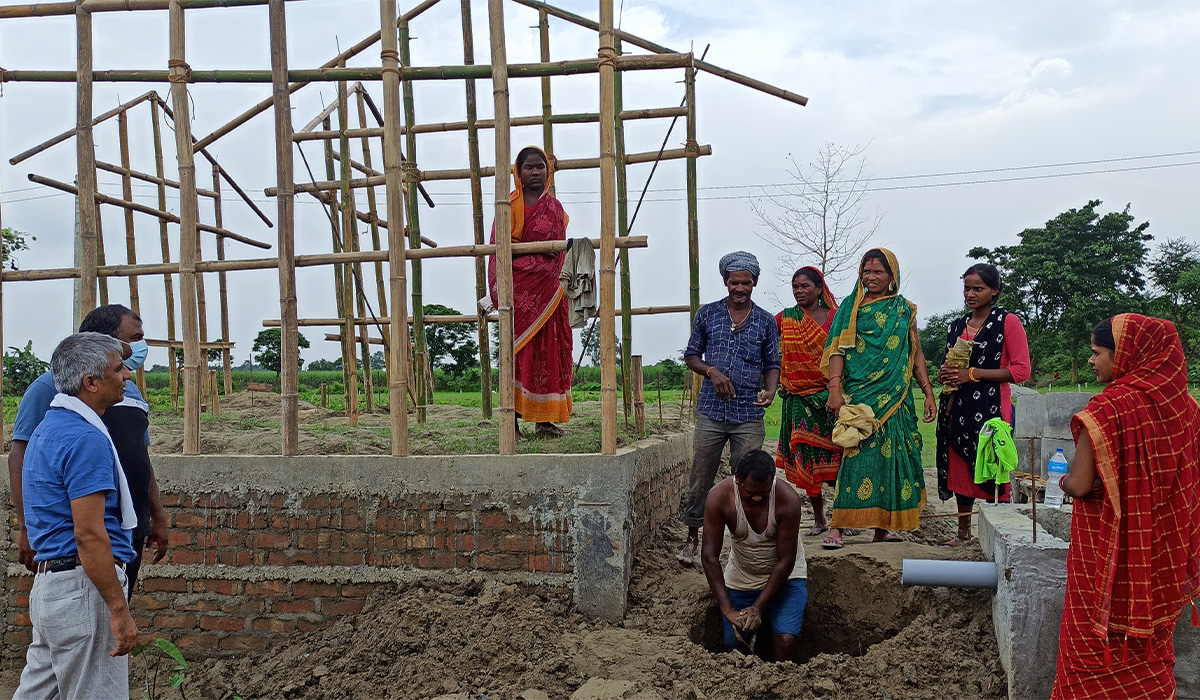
x=881, y=483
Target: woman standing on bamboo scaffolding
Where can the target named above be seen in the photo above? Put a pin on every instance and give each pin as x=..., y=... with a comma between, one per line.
x=986, y=351
x=806, y=452
x=871, y=360
x=541, y=327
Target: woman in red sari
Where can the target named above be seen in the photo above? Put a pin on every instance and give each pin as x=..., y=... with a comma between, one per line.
x=806, y=452
x=1134, y=561
x=541, y=328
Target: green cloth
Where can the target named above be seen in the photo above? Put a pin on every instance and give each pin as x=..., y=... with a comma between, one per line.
x=881, y=483
x=996, y=456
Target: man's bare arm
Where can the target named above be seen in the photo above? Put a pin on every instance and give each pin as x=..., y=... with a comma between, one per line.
x=16, y=461
x=787, y=514
x=710, y=550
x=96, y=556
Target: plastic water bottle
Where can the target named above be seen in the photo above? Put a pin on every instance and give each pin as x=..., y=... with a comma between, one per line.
x=1057, y=470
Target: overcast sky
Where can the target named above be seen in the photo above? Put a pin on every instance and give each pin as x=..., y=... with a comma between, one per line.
x=942, y=88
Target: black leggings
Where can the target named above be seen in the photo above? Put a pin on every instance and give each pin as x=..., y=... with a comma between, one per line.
x=964, y=502
x=132, y=568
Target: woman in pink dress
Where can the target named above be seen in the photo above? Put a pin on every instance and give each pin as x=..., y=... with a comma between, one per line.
x=980, y=391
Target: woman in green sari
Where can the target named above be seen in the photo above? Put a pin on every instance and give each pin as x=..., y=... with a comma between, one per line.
x=872, y=358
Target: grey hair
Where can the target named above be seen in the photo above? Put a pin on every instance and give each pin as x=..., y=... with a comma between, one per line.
x=79, y=356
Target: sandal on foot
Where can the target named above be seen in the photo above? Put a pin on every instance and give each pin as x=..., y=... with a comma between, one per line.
x=888, y=536
x=831, y=542
x=850, y=532
x=816, y=530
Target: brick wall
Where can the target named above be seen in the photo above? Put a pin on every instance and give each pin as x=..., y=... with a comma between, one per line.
x=659, y=493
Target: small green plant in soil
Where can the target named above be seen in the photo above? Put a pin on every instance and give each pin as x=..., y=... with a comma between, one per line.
x=161, y=649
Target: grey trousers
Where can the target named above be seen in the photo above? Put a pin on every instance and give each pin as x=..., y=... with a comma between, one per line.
x=708, y=441
x=68, y=657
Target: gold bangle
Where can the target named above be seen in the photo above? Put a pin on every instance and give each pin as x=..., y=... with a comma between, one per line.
x=971, y=375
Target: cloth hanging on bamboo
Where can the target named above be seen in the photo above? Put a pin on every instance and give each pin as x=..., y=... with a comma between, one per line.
x=1134, y=560
x=806, y=452
x=880, y=483
x=578, y=278
x=541, y=328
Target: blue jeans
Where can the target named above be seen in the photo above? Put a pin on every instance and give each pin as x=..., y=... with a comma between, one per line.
x=784, y=614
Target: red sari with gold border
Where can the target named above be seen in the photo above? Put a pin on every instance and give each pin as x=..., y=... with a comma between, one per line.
x=1134, y=561
x=541, y=327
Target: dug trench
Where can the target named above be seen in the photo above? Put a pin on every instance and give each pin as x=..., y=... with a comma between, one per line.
x=865, y=636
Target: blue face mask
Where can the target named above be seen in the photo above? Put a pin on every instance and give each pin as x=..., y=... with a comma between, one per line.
x=138, y=357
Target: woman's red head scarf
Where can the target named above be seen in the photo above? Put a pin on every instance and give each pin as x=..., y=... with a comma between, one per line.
x=1145, y=429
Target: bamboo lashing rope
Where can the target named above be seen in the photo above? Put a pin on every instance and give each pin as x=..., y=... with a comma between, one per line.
x=393, y=54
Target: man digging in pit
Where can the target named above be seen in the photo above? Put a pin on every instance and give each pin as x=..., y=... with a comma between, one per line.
x=766, y=572
x=735, y=346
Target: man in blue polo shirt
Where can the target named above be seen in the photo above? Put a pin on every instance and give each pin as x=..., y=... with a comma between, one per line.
x=127, y=424
x=79, y=516
x=735, y=346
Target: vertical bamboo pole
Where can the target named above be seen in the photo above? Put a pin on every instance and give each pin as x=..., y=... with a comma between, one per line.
x=165, y=244
x=639, y=395
x=372, y=209
x=135, y=301
x=188, y=217
x=339, y=278
x=503, y=218
x=481, y=285
x=201, y=301
x=289, y=380
x=357, y=290
x=101, y=260
x=689, y=80
x=420, y=349
x=1, y=325
x=398, y=281
x=324, y=395
x=349, y=362
x=85, y=153
x=547, y=107
x=623, y=231
x=608, y=210
x=215, y=400
x=222, y=287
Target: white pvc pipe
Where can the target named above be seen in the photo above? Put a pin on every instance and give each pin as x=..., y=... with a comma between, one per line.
x=954, y=574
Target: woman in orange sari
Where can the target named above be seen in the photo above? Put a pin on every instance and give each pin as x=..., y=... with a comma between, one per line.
x=541, y=327
x=806, y=452
x=1134, y=561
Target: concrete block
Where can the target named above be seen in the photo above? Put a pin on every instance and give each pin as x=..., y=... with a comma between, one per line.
x=1031, y=414
x=1033, y=454
x=1059, y=410
x=1027, y=607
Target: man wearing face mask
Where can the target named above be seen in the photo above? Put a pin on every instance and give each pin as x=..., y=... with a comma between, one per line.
x=128, y=424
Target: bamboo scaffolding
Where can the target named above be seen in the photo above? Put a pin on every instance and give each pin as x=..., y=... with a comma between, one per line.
x=2, y=317
x=159, y=343
x=658, y=49
x=370, y=103
x=358, y=290
x=322, y=118
x=349, y=233
x=135, y=303
x=693, y=222
x=51, y=9
x=164, y=215
x=481, y=287
x=101, y=260
x=608, y=211
x=398, y=282
x=222, y=283
x=503, y=219
x=462, y=251
x=165, y=245
x=289, y=379
x=145, y=177
x=420, y=348
x=49, y=143
x=188, y=235
x=639, y=394
x=380, y=290
x=465, y=318
x=442, y=127
x=489, y=171
x=623, y=231
x=547, y=106
x=85, y=154
x=355, y=165
x=293, y=87
x=366, y=73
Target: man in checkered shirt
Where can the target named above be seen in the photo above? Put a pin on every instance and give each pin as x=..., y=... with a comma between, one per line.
x=735, y=346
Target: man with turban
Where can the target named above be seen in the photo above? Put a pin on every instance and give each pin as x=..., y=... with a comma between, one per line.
x=735, y=347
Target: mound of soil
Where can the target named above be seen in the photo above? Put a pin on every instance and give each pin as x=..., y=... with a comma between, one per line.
x=865, y=636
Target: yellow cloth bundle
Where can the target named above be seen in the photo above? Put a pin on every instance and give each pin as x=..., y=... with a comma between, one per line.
x=855, y=423
x=958, y=357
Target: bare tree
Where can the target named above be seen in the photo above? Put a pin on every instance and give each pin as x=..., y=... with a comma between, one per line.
x=819, y=219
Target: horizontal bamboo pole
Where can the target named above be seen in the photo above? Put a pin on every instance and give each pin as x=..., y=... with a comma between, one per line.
x=337, y=338
x=659, y=49
x=41, y=9
x=146, y=177
x=368, y=217
x=488, y=171
x=437, y=128
x=215, y=345
x=451, y=318
x=315, y=75
x=71, y=132
x=134, y=206
x=52, y=9
x=462, y=251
